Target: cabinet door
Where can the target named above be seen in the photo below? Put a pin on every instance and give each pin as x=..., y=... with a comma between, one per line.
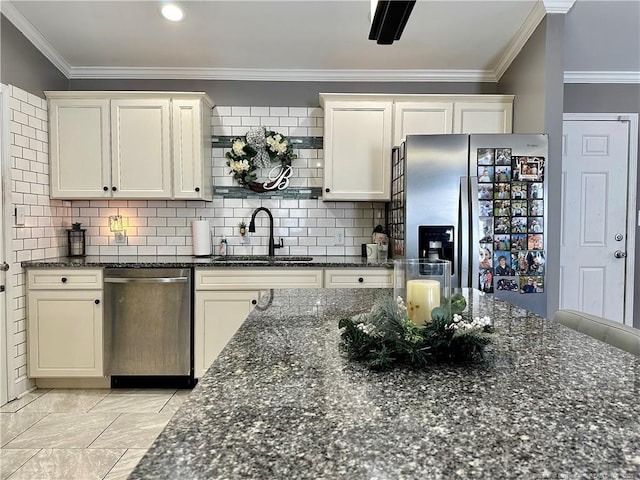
x=79, y=149
x=65, y=333
x=357, y=149
x=140, y=139
x=414, y=118
x=191, y=166
x=218, y=316
x=482, y=117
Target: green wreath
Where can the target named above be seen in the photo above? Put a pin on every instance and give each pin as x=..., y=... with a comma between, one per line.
x=258, y=148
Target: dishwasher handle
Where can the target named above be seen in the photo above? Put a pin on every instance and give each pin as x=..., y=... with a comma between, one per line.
x=148, y=280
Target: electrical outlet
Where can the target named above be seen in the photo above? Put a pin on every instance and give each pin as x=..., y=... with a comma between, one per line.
x=121, y=238
x=339, y=236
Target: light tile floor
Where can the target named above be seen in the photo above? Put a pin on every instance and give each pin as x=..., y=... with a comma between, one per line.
x=70, y=434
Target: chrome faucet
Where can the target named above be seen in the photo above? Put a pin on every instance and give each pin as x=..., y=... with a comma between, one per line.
x=252, y=229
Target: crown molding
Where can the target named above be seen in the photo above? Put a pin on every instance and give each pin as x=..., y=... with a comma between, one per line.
x=558, y=6
x=34, y=36
x=530, y=24
x=284, y=75
x=602, y=77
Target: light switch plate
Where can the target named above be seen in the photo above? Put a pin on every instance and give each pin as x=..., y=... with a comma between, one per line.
x=21, y=212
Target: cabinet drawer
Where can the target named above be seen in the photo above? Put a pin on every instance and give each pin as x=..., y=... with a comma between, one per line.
x=358, y=278
x=64, y=279
x=240, y=279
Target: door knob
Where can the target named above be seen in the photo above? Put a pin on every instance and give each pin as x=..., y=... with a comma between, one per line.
x=619, y=254
x=4, y=267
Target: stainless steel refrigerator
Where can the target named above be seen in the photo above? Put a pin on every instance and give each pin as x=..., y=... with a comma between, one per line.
x=478, y=201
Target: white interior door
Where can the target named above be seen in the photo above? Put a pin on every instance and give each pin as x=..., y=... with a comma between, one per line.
x=594, y=267
x=4, y=328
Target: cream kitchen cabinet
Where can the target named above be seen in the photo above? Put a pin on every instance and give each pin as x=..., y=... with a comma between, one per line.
x=65, y=334
x=357, y=149
x=361, y=129
x=425, y=117
x=358, y=278
x=151, y=145
x=218, y=316
x=439, y=114
x=191, y=147
x=224, y=297
x=483, y=117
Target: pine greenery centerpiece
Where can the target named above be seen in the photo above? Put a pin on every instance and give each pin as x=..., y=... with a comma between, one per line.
x=385, y=336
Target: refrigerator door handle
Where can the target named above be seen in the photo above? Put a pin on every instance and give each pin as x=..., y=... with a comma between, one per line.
x=465, y=222
x=475, y=232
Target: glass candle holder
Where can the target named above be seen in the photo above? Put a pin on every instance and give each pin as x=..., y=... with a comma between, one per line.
x=423, y=284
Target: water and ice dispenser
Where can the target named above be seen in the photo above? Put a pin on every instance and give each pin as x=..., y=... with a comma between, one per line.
x=437, y=242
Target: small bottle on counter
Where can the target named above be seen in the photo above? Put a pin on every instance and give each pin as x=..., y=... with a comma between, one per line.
x=222, y=247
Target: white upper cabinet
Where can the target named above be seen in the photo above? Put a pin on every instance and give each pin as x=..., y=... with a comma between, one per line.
x=361, y=129
x=414, y=118
x=140, y=148
x=357, y=150
x=152, y=145
x=483, y=117
x=191, y=142
x=79, y=137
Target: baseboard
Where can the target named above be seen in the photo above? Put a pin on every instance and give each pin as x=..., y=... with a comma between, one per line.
x=98, y=382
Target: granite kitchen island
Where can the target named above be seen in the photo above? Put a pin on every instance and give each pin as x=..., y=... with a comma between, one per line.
x=282, y=402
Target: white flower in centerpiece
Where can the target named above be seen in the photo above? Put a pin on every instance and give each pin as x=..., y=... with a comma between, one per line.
x=238, y=147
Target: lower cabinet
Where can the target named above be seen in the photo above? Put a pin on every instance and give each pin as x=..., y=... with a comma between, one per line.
x=65, y=327
x=224, y=297
x=218, y=315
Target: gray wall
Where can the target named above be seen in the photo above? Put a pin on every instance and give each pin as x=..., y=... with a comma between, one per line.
x=536, y=78
x=603, y=35
x=276, y=94
x=24, y=66
x=615, y=98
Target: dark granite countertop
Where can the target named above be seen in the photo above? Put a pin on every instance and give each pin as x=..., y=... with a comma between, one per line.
x=282, y=401
x=150, y=261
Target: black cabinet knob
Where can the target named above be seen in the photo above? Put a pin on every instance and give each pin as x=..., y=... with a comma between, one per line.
x=197, y=189
x=360, y=279
x=254, y=302
x=96, y=301
x=106, y=189
x=114, y=188
x=327, y=190
x=63, y=279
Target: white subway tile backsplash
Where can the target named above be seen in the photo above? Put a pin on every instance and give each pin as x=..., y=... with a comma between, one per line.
x=240, y=111
x=279, y=111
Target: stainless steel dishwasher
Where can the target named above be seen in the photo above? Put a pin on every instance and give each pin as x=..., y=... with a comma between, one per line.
x=149, y=313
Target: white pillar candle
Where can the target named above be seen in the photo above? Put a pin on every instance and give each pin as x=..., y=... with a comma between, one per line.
x=422, y=297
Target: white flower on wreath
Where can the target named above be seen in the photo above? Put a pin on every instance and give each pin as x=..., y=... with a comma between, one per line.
x=277, y=144
x=238, y=147
x=239, y=166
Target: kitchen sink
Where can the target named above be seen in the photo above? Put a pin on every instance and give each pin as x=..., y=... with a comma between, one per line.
x=261, y=259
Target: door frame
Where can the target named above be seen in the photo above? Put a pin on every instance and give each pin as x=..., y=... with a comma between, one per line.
x=632, y=181
x=6, y=244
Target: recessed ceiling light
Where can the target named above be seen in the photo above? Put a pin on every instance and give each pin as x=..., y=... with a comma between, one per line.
x=172, y=12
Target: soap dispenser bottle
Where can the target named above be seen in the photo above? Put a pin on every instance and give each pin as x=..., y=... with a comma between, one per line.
x=222, y=248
